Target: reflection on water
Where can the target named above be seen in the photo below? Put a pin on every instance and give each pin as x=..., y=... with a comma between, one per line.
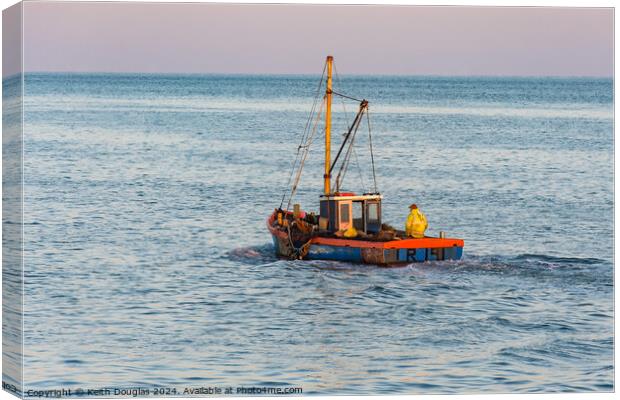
x=148, y=261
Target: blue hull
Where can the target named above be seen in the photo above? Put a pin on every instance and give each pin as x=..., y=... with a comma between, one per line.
x=380, y=256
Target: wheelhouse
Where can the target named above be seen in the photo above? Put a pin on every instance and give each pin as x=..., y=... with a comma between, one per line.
x=340, y=211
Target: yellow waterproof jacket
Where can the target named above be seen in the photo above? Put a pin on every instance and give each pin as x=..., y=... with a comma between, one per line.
x=350, y=233
x=416, y=223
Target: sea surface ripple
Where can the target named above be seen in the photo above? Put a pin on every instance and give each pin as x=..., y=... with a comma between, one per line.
x=148, y=263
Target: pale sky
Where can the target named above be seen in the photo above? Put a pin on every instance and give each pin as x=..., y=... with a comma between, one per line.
x=229, y=38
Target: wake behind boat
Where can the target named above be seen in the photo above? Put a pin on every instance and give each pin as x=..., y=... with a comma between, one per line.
x=349, y=226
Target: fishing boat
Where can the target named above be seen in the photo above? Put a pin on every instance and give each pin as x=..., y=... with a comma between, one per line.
x=348, y=226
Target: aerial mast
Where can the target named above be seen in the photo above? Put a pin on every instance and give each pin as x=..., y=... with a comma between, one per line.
x=328, y=126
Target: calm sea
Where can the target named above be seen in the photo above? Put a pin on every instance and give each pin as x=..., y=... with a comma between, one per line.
x=148, y=263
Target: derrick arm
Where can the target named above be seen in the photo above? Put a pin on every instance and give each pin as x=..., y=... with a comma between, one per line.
x=353, y=128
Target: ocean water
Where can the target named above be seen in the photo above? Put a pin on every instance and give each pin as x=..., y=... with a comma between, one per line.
x=148, y=262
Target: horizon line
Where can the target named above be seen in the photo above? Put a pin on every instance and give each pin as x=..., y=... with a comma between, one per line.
x=307, y=74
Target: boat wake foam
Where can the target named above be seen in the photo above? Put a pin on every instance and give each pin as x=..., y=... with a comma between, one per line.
x=264, y=254
x=253, y=255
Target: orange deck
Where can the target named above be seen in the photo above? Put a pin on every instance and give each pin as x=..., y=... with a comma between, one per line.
x=426, y=243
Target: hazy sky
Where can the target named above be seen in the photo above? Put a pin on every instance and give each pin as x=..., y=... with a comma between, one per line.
x=203, y=38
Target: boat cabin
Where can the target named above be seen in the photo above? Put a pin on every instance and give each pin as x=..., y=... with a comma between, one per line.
x=340, y=211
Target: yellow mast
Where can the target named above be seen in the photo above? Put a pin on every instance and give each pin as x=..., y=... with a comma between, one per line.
x=328, y=125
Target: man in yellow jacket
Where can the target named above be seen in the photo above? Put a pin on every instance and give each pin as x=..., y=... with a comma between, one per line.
x=416, y=223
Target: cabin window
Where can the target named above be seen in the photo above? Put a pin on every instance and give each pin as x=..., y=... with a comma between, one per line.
x=358, y=215
x=344, y=213
x=373, y=212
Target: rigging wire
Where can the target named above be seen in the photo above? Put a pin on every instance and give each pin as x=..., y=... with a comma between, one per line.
x=345, y=165
x=347, y=157
x=305, y=155
x=346, y=97
x=359, y=170
x=346, y=118
x=304, y=135
x=372, y=157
